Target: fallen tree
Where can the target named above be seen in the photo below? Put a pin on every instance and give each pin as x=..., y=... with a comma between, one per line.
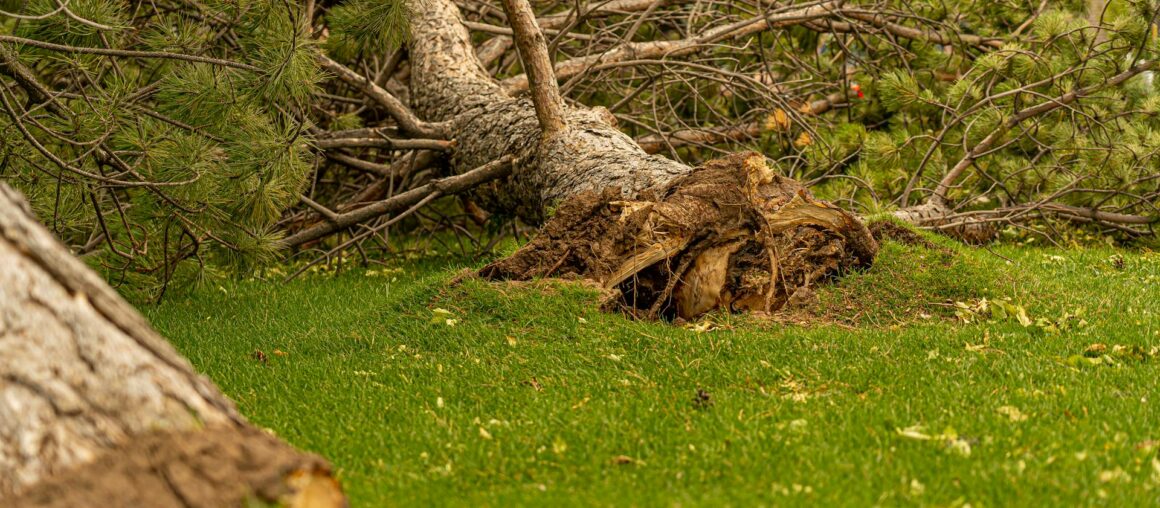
x=672, y=239
x=205, y=156
x=96, y=409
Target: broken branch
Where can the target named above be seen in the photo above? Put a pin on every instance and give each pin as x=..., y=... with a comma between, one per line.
x=540, y=78
x=496, y=169
x=406, y=119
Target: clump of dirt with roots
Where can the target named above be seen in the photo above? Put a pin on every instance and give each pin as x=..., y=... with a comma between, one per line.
x=731, y=235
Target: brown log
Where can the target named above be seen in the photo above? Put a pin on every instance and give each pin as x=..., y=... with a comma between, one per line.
x=97, y=409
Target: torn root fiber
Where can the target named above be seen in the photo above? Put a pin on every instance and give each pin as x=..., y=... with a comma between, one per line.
x=732, y=234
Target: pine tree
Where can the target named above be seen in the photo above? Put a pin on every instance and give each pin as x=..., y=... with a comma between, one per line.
x=165, y=142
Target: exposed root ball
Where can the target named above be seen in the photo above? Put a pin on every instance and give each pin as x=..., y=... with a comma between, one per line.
x=732, y=234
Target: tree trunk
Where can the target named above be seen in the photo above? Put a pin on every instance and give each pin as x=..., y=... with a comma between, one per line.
x=96, y=409
x=669, y=239
x=449, y=84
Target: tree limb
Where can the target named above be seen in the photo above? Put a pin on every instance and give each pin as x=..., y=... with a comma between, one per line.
x=385, y=142
x=654, y=143
x=496, y=169
x=657, y=49
x=541, y=79
x=406, y=119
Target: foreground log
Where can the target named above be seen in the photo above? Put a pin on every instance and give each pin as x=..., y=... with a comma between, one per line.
x=671, y=240
x=96, y=409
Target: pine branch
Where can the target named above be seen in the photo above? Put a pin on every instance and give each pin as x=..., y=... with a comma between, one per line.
x=127, y=53
x=11, y=66
x=982, y=147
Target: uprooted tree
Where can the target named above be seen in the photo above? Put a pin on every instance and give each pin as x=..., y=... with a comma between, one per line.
x=163, y=142
x=175, y=143
x=670, y=237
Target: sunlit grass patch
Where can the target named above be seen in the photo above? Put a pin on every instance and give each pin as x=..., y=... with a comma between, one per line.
x=422, y=392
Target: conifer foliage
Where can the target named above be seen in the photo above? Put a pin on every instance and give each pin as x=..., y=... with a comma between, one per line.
x=159, y=140
x=163, y=142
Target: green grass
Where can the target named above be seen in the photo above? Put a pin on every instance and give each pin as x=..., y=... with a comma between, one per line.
x=534, y=397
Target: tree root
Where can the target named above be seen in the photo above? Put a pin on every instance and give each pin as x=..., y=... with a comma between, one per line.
x=732, y=235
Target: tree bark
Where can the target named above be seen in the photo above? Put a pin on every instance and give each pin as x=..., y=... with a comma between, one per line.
x=668, y=239
x=449, y=84
x=97, y=409
x=533, y=50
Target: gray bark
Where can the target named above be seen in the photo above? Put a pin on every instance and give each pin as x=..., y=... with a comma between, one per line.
x=449, y=84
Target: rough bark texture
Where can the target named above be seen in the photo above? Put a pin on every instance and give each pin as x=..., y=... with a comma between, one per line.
x=938, y=216
x=667, y=239
x=449, y=84
x=533, y=49
x=214, y=467
x=83, y=378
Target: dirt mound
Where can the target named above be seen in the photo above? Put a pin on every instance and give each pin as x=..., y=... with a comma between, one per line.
x=732, y=235
x=887, y=230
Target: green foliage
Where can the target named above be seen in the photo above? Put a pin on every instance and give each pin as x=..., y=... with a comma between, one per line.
x=899, y=90
x=1099, y=142
x=162, y=171
x=367, y=26
x=921, y=105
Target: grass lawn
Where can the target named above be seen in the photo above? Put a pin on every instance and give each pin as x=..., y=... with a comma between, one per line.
x=526, y=394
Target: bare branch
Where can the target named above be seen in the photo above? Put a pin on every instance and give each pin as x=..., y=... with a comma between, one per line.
x=359, y=164
x=600, y=9
x=322, y=210
x=660, y=49
x=654, y=143
x=385, y=142
x=407, y=120
x=882, y=22
x=538, y=64
x=496, y=169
